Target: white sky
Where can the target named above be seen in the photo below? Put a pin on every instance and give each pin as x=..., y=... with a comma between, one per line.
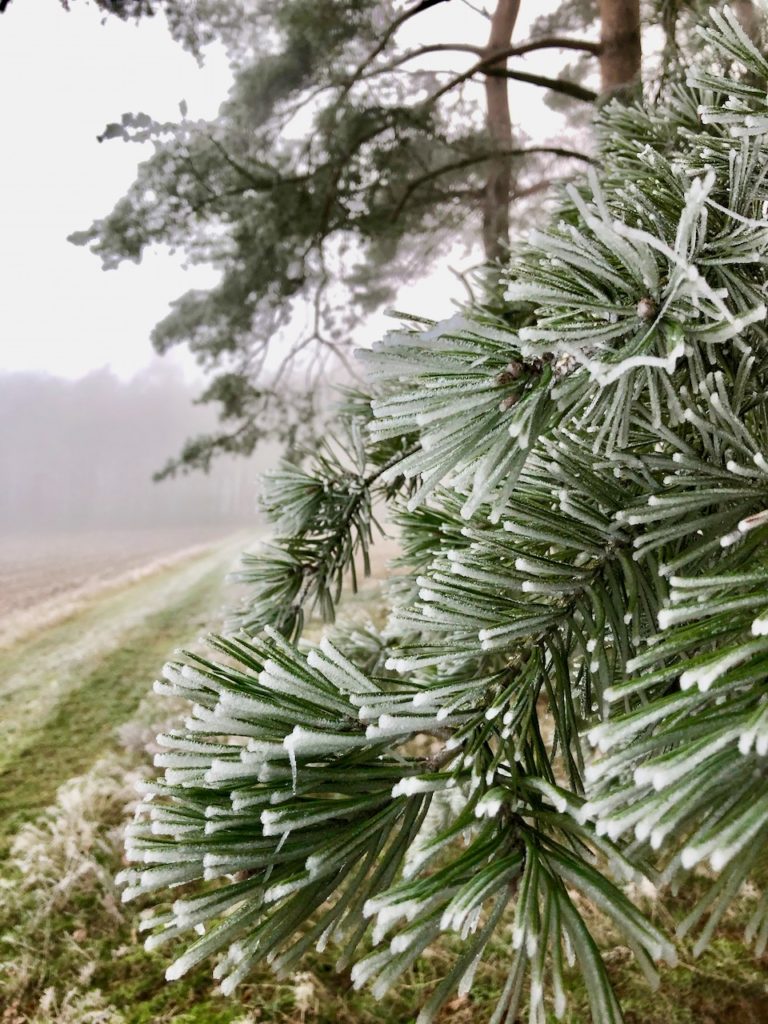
x=63, y=77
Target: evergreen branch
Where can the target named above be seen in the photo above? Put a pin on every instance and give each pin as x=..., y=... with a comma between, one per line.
x=585, y=551
x=327, y=518
x=331, y=543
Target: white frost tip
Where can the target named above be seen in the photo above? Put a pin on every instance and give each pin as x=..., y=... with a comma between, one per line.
x=719, y=859
x=689, y=857
x=177, y=970
x=229, y=985
x=594, y=736
x=753, y=522
x=665, y=618
x=411, y=786
x=745, y=742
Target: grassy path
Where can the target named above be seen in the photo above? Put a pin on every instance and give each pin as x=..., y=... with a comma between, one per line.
x=62, y=694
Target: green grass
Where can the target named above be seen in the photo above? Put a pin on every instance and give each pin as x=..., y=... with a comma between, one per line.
x=41, y=669
x=78, y=727
x=70, y=952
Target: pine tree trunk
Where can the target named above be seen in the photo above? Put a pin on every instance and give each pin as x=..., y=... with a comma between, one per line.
x=749, y=16
x=499, y=182
x=620, y=40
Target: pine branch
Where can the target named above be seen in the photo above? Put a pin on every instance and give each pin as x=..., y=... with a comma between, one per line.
x=334, y=541
x=486, y=66
x=324, y=520
x=581, y=486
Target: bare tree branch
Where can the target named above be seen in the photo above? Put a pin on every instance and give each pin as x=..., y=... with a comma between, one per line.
x=470, y=161
x=555, y=43
x=545, y=43
x=424, y=5
x=561, y=85
x=484, y=66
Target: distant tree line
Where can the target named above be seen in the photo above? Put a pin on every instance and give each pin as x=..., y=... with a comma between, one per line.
x=81, y=454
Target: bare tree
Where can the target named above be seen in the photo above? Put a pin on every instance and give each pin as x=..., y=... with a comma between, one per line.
x=750, y=17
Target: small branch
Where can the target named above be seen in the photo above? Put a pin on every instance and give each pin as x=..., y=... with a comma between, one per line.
x=545, y=43
x=383, y=42
x=462, y=278
x=556, y=43
x=572, y=89
x=259, y=184
x=424, y=5
x=531, y=190
x=485, y=66
x=393, y=461
x=312, y=571
x=469, y=161
x=435, y=762
x=477, y=10
x=422, y=51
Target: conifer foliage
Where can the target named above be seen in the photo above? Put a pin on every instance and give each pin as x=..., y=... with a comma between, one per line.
x=570, y=693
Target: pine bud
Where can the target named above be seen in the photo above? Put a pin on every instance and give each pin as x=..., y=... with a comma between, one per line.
x=511, y=372
x=646, y=308
x=564, y=364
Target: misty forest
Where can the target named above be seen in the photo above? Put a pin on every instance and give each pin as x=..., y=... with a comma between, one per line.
x=384, y=621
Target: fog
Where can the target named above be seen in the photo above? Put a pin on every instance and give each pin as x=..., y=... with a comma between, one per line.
x=80, y=455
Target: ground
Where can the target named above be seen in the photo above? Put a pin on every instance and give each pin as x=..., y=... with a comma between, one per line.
x=48, y=575
x=78, y=721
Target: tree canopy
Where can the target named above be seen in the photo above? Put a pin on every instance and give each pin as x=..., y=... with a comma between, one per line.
x=339, y=167
x=344, y=163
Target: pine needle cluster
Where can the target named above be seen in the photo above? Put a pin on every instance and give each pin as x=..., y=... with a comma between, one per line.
x=570, y=693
